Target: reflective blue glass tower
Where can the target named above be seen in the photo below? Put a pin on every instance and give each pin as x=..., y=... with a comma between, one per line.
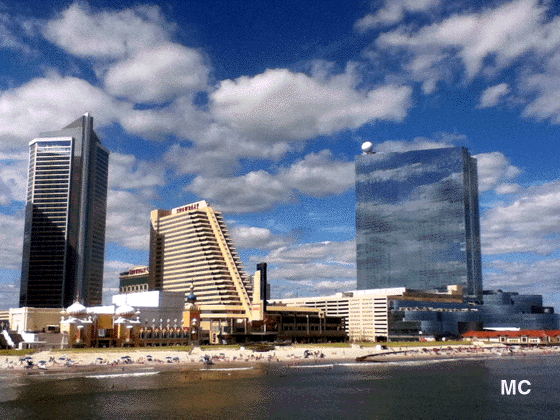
x=417, y=220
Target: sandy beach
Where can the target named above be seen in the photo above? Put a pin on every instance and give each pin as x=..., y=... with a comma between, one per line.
x=167, y=358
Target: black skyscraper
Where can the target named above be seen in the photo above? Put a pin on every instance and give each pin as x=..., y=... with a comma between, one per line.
x=64, y=237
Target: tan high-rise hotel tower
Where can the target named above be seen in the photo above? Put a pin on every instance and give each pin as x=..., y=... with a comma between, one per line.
x=191, y=244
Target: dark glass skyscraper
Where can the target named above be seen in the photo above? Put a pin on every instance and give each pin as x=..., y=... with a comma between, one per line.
x=417, y=220
x=64, y=236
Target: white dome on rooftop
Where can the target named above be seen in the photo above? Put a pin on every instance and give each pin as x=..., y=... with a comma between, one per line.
x=76, y=309
x=367, y=147
x=125, y=310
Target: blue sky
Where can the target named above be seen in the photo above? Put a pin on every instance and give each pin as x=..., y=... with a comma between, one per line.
x=261, y=107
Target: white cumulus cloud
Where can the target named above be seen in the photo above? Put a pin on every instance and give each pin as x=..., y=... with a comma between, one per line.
x=392, y=12
x=128, y=219
x=158, y=75
x=524, y=276
x=507, y=32
x=531, y=223
x=50, y=103
x=109, y=34
x=494, y=171
x=317, y=175
x=128, y=172
x=250, y=237
x=13, y=181
x=321, y=265
x=11, y=241
x=280, y=103
x=493, y=95
x=253, y=192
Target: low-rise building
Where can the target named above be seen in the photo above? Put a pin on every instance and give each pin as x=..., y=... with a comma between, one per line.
x=121, y=325
x=522, y=337
x=34, y=320
x=397, y=314
x=333, y=305
x=4, y=320
x=134, y=280
x=155, y=307
x=366, y=313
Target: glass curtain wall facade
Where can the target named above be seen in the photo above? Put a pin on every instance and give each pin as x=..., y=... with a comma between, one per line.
x=64, y=233
x=417, y=220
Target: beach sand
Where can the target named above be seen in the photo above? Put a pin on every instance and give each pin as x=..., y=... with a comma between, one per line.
x=228, y=359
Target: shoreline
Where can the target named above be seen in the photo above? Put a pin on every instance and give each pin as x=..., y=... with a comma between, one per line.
x=236, y=362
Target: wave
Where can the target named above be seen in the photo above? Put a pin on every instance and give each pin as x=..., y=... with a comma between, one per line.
x=121, y=375
x=228, y=369
x=380, y=363
x=356, y=364
x=312, y=366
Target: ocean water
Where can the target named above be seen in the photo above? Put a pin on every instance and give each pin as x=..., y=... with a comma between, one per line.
x=453, y=389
